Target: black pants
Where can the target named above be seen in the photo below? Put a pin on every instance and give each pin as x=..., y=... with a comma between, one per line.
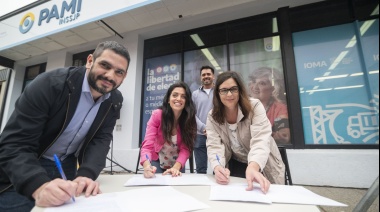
x=237, y=168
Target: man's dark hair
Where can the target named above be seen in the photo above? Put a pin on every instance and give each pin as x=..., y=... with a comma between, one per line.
x=206, y=67
x=114, y=46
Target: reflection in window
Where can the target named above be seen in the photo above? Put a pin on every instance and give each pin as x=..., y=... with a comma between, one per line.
x=337, y=106
x=260, y=64
x=193, y=60
x=369, y=31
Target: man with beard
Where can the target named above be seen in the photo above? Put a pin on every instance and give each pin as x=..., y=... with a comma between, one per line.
x=68, y=112
x=202, y=98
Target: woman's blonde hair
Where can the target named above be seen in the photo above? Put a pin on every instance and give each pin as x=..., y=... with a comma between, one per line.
x=275, y=77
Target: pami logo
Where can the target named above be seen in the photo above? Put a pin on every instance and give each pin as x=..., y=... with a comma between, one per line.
x=26, y=23
x=60, y=13
x=67, y=12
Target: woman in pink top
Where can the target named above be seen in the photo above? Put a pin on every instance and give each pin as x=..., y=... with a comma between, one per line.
x=166, y=147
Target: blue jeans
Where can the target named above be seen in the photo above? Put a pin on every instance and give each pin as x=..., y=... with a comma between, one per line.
x=200, y=154
x=156, y=163
x=11, y=201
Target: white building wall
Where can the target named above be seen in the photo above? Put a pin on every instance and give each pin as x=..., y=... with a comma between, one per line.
x=126, y=134
x=127, y=129
x=334, y=167
x=58, y=59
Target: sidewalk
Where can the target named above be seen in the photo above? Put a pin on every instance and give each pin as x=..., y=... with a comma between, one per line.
x=348, y=196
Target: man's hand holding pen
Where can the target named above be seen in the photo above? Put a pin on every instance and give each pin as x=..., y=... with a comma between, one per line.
x=54, y=193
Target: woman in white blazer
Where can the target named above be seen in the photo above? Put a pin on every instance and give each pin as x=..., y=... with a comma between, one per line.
x=239, y=141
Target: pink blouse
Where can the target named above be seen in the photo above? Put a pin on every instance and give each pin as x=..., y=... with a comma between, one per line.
x=154, y=141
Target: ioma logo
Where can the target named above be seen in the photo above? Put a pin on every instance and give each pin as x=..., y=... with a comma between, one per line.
x=26, y=23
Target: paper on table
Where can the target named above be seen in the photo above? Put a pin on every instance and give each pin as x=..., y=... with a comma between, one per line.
x=144, y=199
x=185, y=179
x=161, y=198
x=298, y=195
x=237, y=192
x=276, y=194
x=102, y=203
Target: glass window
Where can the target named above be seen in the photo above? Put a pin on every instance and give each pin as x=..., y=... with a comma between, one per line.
x=160, y=73
x=369, y=31
x=31, y=72
x=215, y=57
x=337, y=107
x=209, y=36
x=334, y=60
x=80, y=59
x=260, y=64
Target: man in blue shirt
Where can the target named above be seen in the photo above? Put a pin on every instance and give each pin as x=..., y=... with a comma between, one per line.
x=70, y=112
x=202, y=98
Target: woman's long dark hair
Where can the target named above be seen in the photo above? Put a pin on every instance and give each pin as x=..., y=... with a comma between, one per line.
x=218, y=111
x=186, y=121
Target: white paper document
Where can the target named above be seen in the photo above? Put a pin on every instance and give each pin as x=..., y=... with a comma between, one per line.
x=276, y=194
x=144, y=199
x=298, y=195
x=159, y=179
x=237, y=192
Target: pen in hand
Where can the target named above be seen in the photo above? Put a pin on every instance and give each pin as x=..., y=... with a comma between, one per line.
x=147, y=157
x=59, y=166
x=218, y=159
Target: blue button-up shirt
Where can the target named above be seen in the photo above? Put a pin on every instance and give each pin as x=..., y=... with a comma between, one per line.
x=73, y=136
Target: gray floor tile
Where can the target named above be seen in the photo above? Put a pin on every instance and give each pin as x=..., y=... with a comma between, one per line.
x=348, y=196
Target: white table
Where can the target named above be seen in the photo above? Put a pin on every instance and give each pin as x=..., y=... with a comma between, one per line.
x=114, y=183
